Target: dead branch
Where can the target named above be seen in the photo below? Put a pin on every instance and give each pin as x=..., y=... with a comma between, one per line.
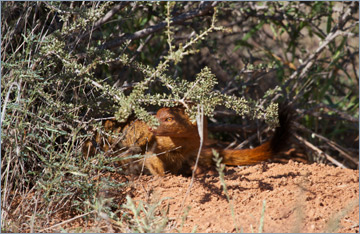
x=336, y=31
x=110, y=14
x=331, y=143
x=203, y=10
x=319, y=151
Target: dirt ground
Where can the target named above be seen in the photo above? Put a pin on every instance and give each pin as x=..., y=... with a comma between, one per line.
x=298, y=198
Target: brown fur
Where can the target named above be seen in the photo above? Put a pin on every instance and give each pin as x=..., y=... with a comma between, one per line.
x=175, y=142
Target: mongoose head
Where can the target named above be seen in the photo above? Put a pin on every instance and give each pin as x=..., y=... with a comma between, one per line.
x=174, y=122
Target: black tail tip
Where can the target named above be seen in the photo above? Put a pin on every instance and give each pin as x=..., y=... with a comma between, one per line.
x=282, y=134
x=286, y=114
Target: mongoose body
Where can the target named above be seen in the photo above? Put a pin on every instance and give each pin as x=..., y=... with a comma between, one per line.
x=175, y=142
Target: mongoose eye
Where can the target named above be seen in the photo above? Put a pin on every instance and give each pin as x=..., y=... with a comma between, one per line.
x=169, y=119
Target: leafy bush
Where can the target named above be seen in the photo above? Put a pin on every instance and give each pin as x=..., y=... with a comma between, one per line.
x=68, y=65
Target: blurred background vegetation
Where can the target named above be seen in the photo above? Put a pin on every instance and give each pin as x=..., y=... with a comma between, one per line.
x=66, y=66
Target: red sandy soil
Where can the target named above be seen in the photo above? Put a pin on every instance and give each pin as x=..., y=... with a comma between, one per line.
x=299, y=198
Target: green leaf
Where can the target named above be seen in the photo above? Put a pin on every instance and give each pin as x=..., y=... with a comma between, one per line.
x=252, y=31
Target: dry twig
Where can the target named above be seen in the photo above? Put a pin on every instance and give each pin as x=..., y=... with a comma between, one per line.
x=319, y=151
x=203, y=10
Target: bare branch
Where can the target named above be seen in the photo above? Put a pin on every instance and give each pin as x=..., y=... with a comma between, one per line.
x=331, y=143
x=319, y=151
x=203, y=10
x=110, y=14
x=104, y=19
x=337, y=30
